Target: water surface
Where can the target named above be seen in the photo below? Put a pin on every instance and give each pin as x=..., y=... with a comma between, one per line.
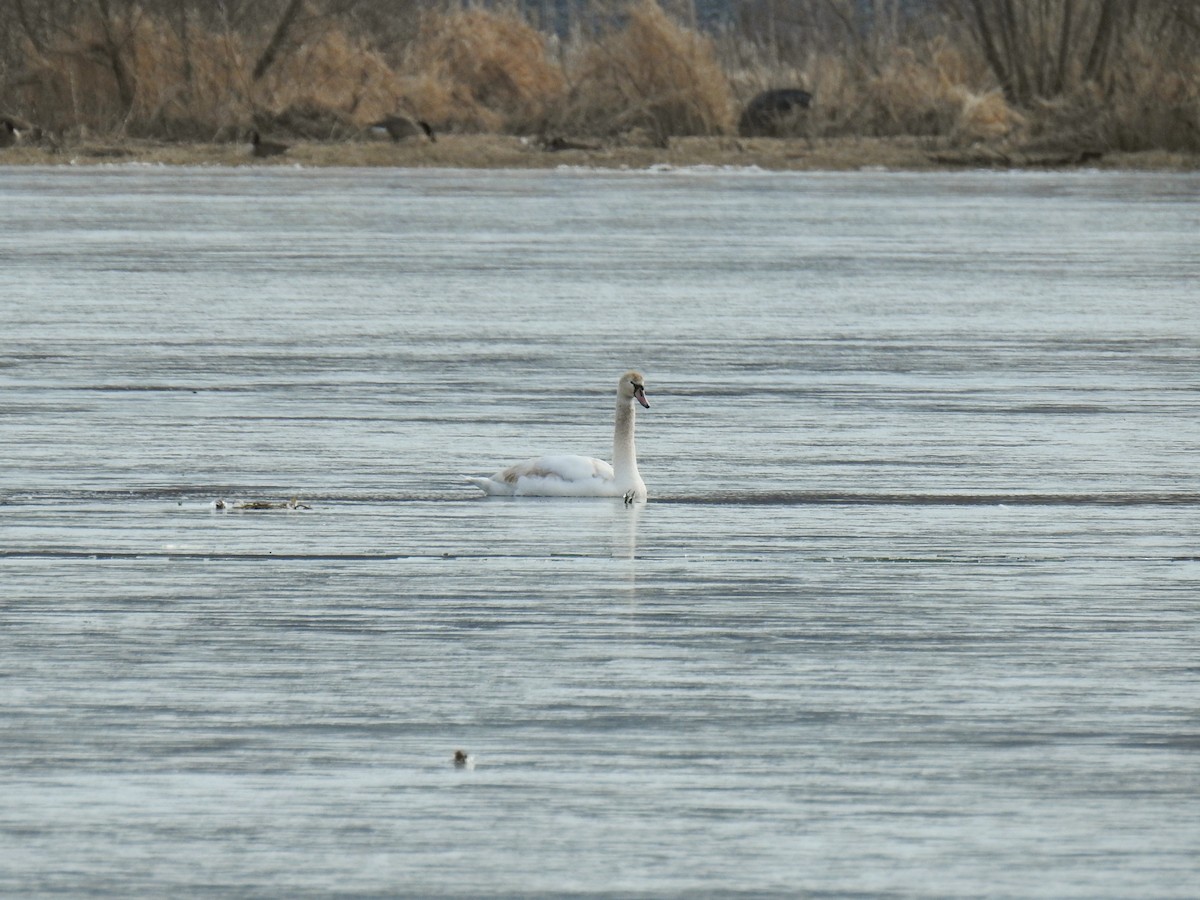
x=911, y=612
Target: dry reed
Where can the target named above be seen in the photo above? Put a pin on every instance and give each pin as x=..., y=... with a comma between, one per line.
x=638, y=69
x=479, y=70
x=651, y=74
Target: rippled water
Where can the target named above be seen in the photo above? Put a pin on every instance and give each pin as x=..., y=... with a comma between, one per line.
x=912, y=610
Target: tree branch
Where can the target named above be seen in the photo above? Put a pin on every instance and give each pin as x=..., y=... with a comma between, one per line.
x=278, y=38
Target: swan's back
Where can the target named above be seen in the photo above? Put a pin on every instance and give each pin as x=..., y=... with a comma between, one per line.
x=552, y=476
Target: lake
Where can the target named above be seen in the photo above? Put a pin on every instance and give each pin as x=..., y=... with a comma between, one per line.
x=912, y=610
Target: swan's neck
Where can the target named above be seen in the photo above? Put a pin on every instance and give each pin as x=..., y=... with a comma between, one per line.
x=624, y=452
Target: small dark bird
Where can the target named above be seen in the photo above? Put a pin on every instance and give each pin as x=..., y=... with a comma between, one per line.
x=400, y=127
x=557, y=143
x=461, y=760
x=262, y=149
x=8, y=133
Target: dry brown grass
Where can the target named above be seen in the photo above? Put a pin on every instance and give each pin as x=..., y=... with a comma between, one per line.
x=479, y=70
x=1153, y=104
x=1150, y=106
x=931, y=91
x=333, y=74
x=650, y=73
x=198, y=88
x=645, y=77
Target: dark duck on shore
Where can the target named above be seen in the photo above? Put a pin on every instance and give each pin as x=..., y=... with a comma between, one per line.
x=558, y=143
x=399, y=128
x=263, y=149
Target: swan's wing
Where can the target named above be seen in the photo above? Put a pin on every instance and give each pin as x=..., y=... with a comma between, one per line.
x=552, y=476
x=569, y=469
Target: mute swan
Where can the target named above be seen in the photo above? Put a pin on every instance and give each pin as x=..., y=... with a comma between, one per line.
x=581, y=476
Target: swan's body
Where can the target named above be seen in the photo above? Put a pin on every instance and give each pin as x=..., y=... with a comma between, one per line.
x=582, y=476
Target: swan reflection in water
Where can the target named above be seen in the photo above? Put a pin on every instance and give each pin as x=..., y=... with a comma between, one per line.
x=582, y=476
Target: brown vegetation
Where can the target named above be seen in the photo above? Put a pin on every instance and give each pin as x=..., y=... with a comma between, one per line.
x=986, y=79
x=648, y=73
x=477, y=70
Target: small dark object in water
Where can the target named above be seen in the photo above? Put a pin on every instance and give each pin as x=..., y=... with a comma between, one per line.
x=771, y=113
x=400, y=127
x=262, y=149
x=461, y=759
x=258, y=505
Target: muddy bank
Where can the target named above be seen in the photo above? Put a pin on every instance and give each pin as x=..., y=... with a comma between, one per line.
x=506, y=152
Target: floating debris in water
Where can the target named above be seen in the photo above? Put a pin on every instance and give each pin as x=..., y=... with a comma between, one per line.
x=258, y=505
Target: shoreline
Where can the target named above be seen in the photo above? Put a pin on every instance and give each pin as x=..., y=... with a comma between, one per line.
x=486, y=151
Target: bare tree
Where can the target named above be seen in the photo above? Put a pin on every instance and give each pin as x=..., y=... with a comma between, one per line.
x=117, y=27
x=1042, y=48
x=279, y=36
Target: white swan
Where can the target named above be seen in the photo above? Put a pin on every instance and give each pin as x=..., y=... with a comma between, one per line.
x=581, y=476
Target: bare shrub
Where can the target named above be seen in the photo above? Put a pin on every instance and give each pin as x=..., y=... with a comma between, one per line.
x=1040, y=49
x=1152, y=110
x=479, y=70
x=910, y=96
x=986, y=117
x=1099, y=75
x=70, y=82
x=652, y=73
x=1150, y=100
x=1154, y=99
x=326, y=84
x=1061, y=74
x=203, y=88
x=930, y=88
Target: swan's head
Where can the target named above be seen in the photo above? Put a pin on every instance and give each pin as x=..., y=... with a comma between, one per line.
x=633, y=387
